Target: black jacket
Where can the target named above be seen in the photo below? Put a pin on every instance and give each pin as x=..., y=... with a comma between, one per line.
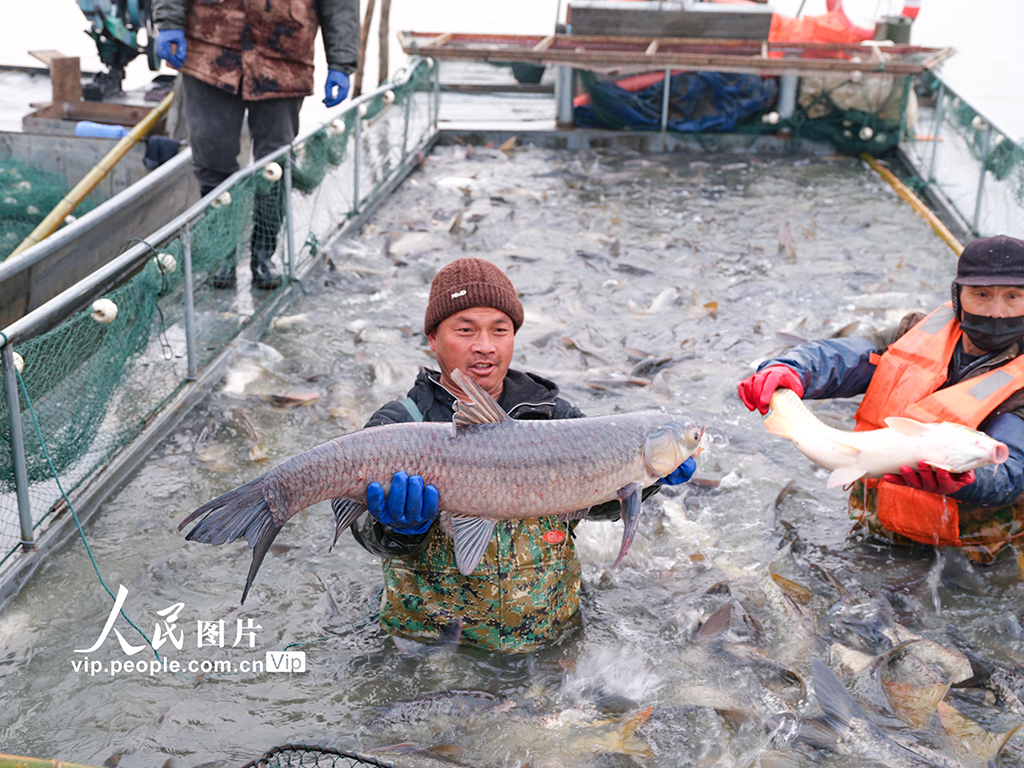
x=523, y=396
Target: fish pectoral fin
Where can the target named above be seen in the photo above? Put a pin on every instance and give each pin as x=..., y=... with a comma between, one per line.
x=579, y=514
x=346, y=512
x=905, y=426
x=777, y=425
x=629, y=498
x=483, y=410
x=471, y=535
x=845, y=475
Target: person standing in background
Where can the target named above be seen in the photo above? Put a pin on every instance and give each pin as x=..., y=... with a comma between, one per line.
x=255, y=57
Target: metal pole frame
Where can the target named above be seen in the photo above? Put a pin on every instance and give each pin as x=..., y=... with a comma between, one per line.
x=437, y=91
x=664, y=110
x=18, y=462
x=405, y=131
x=981, y=179
x=289, y=220
x=356, y=136
x=940, y=106
x=190, y=309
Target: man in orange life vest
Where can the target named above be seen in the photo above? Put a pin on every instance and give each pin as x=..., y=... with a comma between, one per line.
x=961, y=363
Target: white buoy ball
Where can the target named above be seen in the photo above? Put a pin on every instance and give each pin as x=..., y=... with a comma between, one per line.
x=771, y=118
x=336, y=128
x=23, y=186
x=166, y=263
x=978, y=123
x=430, y=61
x=224, y=198
x=880, y=138
x=70, y=218
x=856, y=76
x=104, y=311
x=272, y=172
x=10, y=200
x=361, y=110
x=19, y=362
x=389, y=97
x=866, y=133
x=31, y=210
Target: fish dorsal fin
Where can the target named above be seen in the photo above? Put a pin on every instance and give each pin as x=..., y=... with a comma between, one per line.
x=717, y=623
x=907, y=427
x=471, y=535
x=482, y=410
x=845, y=475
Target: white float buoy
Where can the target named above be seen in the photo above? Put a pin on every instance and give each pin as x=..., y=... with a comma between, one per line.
x=23, y=186
x=771, y=118
x=856, y=76
x=361, y=109
x=866, y=133
x=224, y=198
x=19, y=362
x=104, y=311
x=389, y=97
x=430, y=61
x=978, y=123
x=272, y=172
x=70, y=218
x=31, y=210
x=336, y=128
x=166, y=263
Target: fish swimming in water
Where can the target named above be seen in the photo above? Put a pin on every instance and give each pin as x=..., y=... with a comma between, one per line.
x=853, y=455
x=485, y=465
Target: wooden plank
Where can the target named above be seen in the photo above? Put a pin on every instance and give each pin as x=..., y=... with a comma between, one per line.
x=652, y=48
x=440, y=40
x=66, y=77
x=364, y=34
x=544, y=44
x=383, y=71
x=46, y=56
x=682, y=23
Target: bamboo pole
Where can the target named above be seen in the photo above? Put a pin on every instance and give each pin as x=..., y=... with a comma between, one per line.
x=56, y=217
x=364, y=34
x=383, y=75
x=915, y=202
x=16, y=761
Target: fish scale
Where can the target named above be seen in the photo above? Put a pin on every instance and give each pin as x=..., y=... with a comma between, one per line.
x=485, y=466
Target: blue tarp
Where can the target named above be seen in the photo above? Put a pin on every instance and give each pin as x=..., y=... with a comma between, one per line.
x=698, y=101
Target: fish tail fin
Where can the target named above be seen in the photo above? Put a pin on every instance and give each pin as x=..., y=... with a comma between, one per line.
x=243, y=512
x=625, y=741
x=776, y=424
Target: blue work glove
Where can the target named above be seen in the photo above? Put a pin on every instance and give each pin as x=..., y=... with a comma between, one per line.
x=410, y=507
x=335, y=79
x=680, y=474
x=171, y=47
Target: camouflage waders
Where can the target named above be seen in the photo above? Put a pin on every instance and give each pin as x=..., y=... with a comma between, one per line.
x=522, y=595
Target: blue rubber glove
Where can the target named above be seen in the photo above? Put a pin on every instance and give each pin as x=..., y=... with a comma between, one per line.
x=410, y=507
x=680, y=474
x=339, y=80
x=171, y=47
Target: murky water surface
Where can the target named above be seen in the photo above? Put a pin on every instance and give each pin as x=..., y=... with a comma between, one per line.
x=646, y=282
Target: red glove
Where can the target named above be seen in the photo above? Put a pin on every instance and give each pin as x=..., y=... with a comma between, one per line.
x=931, y=479
x=756, y=391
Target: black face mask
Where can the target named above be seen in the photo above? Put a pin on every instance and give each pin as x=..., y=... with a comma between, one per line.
x=992, y=333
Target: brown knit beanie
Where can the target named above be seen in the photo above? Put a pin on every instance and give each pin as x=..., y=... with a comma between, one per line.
x=467, y=283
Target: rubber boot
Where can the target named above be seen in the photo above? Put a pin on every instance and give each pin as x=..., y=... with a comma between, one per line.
x=265, y=226
x=224, y=277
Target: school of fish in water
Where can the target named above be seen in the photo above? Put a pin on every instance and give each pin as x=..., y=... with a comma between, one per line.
x=743, y=628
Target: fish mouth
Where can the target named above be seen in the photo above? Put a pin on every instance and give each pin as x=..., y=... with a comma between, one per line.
x=705, y=440
x=1000, y=454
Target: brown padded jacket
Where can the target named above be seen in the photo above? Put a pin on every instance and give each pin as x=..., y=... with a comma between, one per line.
x=262, y=49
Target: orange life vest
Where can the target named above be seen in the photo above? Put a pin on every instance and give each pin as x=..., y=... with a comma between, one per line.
x=907, y=383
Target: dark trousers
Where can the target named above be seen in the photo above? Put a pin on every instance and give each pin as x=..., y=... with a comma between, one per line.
x=215, y=125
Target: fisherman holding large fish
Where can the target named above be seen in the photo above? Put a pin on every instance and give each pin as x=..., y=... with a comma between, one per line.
x=473, y=483
x=919, y=470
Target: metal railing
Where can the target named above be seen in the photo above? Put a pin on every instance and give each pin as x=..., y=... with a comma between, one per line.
x=968, y=165
x=372, y=178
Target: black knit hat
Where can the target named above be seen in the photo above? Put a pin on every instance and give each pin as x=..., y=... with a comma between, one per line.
x=467, y=283
x=995, y=260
